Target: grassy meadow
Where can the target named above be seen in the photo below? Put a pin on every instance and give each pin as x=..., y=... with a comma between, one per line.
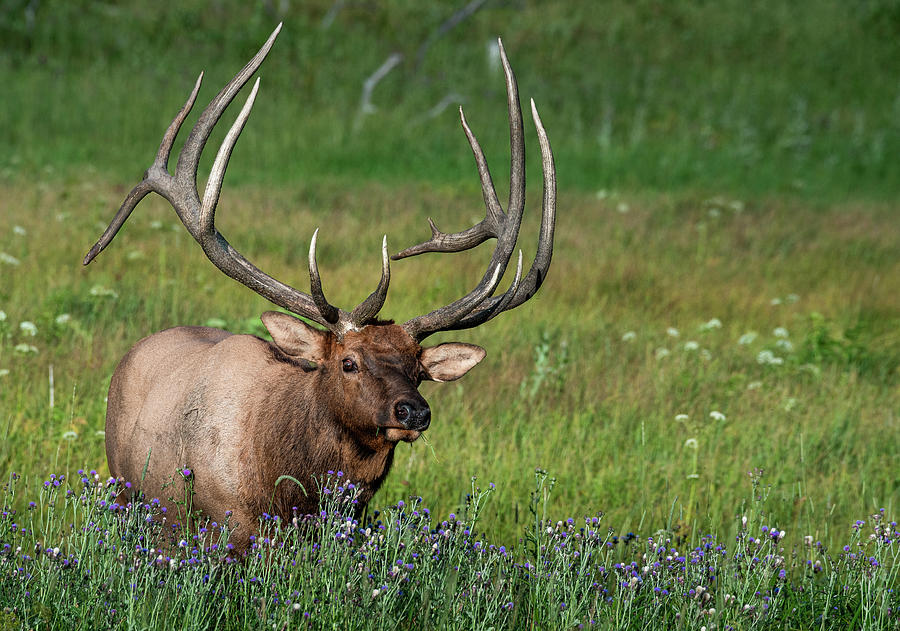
x=721, y=321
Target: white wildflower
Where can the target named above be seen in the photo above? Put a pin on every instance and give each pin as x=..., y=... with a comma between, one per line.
x=792, y=298
x=2, y=315
x=28, y=328
x=714, y=213
x=784, y=344
x=134, y=255
x=691, y=443
x=629, y=336
x=70, y=435
x=602, y=194
x=622, y=208
x=63, y=318
x=747, y=338
x=672, y=332
x=691, y=345
x=714, y=323
x=662, y=352
x=156, y=224
x=8, y=259
x=19, y=230
x=768, y=357
x=681, y=417
x=26, y=349
x=716, y=415
x=775, y=302
x=780, y=332
x=754, y=385
x=4, y=372
x=705, y=354
x=101, y=291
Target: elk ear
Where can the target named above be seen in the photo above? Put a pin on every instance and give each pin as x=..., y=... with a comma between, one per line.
x=294, y=337
x=446, y=362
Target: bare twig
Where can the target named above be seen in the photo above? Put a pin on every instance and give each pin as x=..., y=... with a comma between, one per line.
x=365, y=105
x=451, y=98
x=330, y=17
x=444, y=28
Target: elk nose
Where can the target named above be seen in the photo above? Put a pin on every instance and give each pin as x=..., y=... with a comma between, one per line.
x=413, y=414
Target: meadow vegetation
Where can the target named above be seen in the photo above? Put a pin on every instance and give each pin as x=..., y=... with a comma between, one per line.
x=724, y=297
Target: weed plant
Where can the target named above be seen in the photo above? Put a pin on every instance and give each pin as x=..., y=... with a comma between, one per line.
x=76, y=559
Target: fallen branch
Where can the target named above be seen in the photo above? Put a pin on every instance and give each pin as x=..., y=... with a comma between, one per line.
x=365, y=105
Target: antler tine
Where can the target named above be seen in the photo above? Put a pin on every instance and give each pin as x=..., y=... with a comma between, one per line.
x=370, y=307
x=516, y=295
x=495, y=219
x=189, y=158
x=496, y=224
x=487, y=228
x=156, y=172
x=328, y=311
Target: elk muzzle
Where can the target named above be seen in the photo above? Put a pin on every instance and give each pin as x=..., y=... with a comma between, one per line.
x=414, y=415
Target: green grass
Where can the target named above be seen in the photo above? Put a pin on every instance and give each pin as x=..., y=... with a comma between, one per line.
x=725, y=173
x=583, y=380
x=794, y=98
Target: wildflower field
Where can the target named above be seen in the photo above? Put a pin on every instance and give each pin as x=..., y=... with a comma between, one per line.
x=693, y=424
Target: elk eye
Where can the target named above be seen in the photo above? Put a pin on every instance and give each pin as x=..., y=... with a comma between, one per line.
x=349, y=365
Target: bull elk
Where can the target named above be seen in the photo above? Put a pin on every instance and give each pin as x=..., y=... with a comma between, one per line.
x=242, y=412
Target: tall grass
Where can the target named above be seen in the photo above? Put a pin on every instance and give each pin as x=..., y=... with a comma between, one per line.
x=798, y=98
x=76, y=559
x=780, y=317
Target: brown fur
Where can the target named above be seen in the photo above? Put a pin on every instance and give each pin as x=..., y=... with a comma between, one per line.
x=240, y=412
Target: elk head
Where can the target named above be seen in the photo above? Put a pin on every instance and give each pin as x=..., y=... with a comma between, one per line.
x=356, y=374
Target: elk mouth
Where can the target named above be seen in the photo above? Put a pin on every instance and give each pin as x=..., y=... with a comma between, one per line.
x=395, y=434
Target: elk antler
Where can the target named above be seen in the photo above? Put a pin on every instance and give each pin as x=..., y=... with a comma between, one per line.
x=198, y=216
x=480, y=305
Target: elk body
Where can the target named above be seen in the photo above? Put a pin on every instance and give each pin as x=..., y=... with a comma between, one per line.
x=241, y=412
